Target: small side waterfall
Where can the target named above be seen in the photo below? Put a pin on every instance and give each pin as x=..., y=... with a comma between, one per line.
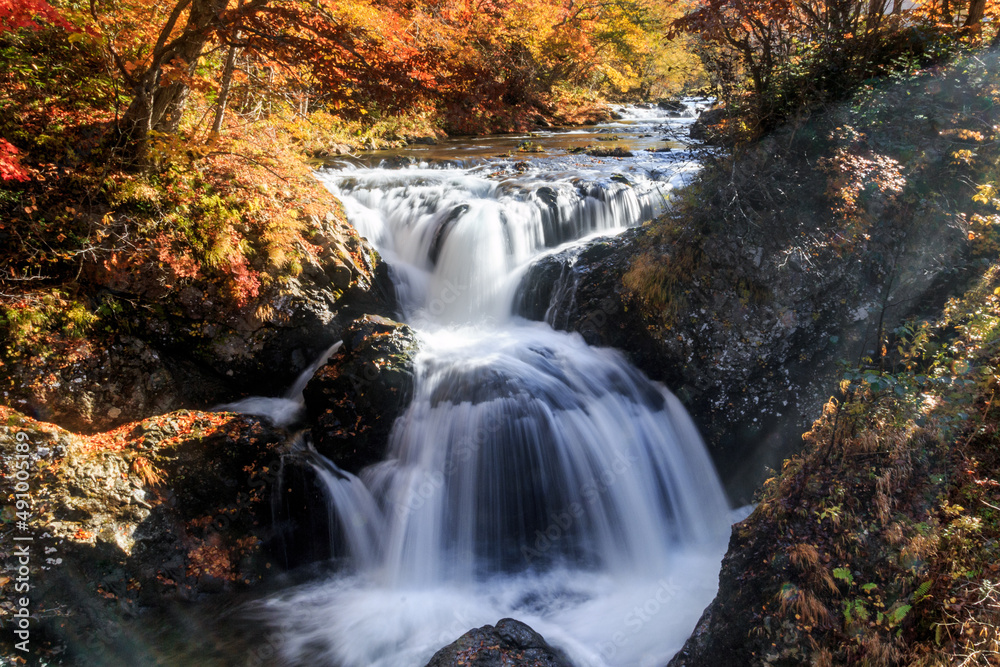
x=287, y=409
x=532, y=476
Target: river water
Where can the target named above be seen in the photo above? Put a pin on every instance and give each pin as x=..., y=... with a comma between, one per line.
x=533, y=476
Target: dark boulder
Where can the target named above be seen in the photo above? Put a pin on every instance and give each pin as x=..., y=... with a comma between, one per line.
x=708, y=126
x=509, y=643
x=262, y=347
x=356, y=396
x=580, y=290
x=616, y=151
x=673, y=106
x=190, y=348
x=425, y=140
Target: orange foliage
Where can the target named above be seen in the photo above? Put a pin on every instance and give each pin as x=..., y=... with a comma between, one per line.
x=187, y=424
x=359, y=57
x=10, y=166
x=17, y=14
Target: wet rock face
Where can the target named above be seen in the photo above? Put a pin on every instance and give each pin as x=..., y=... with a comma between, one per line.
x=510, y=643
x=723, y=633
x=152, y=515
x=580, y=290
x=356, y=396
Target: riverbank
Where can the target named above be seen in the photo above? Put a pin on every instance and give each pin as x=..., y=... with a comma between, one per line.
x=877, y=543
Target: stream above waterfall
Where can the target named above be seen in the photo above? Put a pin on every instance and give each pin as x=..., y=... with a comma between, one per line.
x=640, y=129
x=532, y=476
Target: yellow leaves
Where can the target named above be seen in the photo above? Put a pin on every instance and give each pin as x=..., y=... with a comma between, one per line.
x=950, y=510
x=831, y=407
x=984, y=220
x=620, y=79
x=970, y=135
x=962, y=157
x=357, y=12
x=264, y=312
x=987, y=194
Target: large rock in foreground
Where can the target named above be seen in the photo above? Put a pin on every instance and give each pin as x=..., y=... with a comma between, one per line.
x=141, y=520
x=354, y=399
x=510, y=643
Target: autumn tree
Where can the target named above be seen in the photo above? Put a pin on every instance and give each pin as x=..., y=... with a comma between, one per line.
x=349, y=49
x=160, y=93
x=18, y=15
x=160, y=77
x=755, y=33
x=770, y=58
x=483, y=64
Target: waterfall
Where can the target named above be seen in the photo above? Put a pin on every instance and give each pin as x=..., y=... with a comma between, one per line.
x=532, y=476
x=287, y=409
x=527, y=448
x=457, y=237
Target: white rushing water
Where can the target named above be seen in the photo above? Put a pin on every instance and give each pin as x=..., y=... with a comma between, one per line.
x=287, y=409
x=533, y=476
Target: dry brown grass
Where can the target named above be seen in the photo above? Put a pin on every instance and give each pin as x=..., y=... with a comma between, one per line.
x=146, y=471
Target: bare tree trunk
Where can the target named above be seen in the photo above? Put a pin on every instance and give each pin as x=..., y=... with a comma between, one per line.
x=876, y=14
x=976, y=10
x=227, y=80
